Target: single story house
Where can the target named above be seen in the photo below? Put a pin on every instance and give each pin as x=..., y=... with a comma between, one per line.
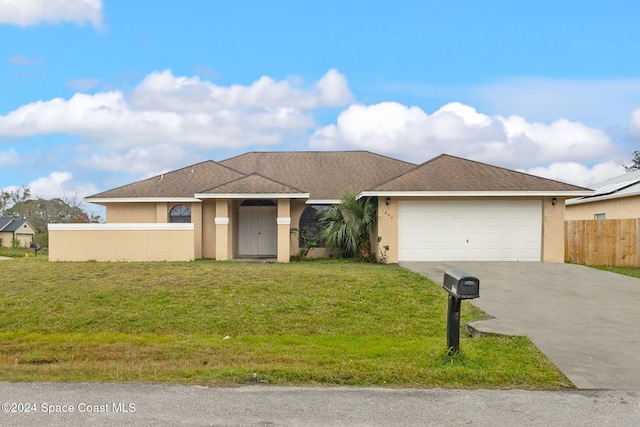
x=447, y=208
x=18, y=229
x=615, y=198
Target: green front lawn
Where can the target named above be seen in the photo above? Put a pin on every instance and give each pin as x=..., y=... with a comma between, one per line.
x=215, y=323
x=627, y=271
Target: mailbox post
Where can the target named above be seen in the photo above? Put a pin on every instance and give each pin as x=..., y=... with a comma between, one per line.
x=459, y=285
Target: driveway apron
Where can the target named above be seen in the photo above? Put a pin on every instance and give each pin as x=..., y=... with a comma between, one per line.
x=584, y=320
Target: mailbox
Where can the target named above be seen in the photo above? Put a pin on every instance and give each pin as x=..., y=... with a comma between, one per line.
x=461, y=285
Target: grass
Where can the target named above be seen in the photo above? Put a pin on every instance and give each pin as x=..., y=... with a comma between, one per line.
x=17, y=252
x=627, y=271
x=217, y=323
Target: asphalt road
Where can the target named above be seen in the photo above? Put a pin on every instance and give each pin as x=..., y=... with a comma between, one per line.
x=154, y=405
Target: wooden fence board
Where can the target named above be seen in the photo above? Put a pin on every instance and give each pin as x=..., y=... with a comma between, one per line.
x=611, y=242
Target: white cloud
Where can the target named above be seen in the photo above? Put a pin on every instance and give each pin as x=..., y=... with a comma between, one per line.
x=57, y=185
x=578, y=174
x=149, y=160
x=33, y=12
x=107, y=118
x=458, y=129
x=164, y=91
x=153, y=125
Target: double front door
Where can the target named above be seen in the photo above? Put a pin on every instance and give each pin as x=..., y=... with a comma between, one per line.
x=258, y=229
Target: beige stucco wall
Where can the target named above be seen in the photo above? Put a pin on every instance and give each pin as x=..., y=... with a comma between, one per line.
x=133, y=212
x=552, y=228
x=284, y=229
x=6, y=239
x=622, y=208
x=387, y=230
x=209, y=229
x=224, y=224
x=24, y=236
x=121, y=242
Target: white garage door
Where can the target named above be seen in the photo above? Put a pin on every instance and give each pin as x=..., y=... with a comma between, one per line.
x=470, y=230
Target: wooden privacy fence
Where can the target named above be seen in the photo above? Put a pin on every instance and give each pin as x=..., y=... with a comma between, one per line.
x=610, y=242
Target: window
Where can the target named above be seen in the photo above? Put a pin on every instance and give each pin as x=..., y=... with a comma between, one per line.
x=180, y=213
x=309, y=227
x=600, y=216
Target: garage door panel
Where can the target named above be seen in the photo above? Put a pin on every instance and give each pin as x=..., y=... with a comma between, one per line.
x=472, y=230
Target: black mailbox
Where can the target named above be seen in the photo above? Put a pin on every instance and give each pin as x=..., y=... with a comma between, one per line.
x=461, y=285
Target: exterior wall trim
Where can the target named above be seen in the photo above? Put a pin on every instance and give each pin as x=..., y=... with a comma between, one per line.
x=144, y=200
x=284, y=220
x=600, y=198
x=120, y=226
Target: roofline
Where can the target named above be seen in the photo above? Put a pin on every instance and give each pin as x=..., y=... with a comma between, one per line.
x=99, y=200
x=313, y=151
x=599, y=198
x=574, y=193
x=477, y=162
x=250, y=175
x=252, y=195
x=12, y=220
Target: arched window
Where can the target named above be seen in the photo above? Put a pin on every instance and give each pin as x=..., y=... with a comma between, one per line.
x=180, y=213
x=309, y=227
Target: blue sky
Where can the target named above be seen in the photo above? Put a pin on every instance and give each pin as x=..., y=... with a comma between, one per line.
x=99, y=93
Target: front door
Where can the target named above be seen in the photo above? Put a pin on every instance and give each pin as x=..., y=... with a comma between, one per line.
x=258, y=228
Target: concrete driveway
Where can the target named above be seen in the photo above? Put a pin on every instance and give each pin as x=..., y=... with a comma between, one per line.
x=585, y=320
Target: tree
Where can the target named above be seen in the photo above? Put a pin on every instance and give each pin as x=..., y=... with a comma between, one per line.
x=40, y=212
x=636, y=162
x=349, y=226
x=15, y=196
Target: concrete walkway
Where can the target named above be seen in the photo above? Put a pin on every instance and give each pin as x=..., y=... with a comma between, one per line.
x=584, y=320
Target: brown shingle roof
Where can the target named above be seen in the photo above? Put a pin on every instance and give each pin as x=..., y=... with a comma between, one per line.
x=449, y=173
x=183, y=182
x=324, y=174
x=253, y=184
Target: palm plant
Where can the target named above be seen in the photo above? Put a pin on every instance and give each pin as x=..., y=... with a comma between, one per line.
x=349, y=226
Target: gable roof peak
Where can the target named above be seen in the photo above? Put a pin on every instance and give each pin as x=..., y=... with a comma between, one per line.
x=450, y=173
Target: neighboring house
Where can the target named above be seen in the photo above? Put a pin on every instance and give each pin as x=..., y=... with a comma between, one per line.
x=445, y=209
x=18, y=229
x=615, y=198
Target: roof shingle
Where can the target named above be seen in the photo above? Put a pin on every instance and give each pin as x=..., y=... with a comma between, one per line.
x=253, y=184
x=183, y=182
x=326, y=175
x=449, y=173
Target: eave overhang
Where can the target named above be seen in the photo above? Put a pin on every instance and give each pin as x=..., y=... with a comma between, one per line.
x=143, y=200
x=562, y=194
x=252, y=195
